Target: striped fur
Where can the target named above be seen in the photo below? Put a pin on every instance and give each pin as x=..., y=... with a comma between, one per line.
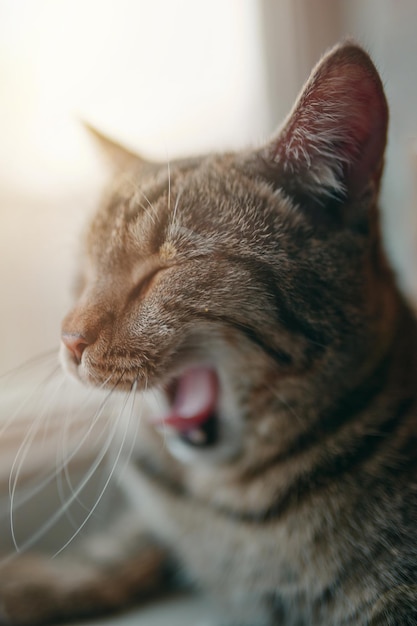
x=269, y=265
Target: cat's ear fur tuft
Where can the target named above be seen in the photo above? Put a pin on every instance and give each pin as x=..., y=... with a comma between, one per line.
x=118, y=157
x=333, y=141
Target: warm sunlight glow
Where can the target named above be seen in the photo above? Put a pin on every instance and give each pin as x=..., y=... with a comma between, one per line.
x=168, y=77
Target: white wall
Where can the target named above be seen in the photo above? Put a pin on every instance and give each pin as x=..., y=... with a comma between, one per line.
x=167, y=77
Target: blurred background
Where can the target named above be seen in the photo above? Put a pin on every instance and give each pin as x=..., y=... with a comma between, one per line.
x=168, y=78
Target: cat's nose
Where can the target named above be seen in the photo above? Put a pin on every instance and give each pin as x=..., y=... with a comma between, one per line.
x=75, y=343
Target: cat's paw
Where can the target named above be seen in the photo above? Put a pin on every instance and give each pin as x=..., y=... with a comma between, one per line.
x=32, y=590
x=36, y=590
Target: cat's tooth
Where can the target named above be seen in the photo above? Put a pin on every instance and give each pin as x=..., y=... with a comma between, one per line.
x=197, y=436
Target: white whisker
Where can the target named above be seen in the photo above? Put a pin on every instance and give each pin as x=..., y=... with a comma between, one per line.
x=63, y=455
x=177, y=201
x=63, y=465
x=139, y=190
x=19, y=408
x=133, y=440
x=31, y=492
x=21, y=456
x=169, y=186
x=151, y=206
x=32, y=362
x=147, y=211
x=41, y=532
x=285, y=403
x=106, y=484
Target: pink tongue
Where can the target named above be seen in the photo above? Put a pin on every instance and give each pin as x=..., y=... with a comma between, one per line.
x=195, y=399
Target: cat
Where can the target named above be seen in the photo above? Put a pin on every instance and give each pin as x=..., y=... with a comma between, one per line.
x=252, y=290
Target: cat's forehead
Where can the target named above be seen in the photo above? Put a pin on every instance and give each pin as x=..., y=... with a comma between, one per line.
x=186, y=207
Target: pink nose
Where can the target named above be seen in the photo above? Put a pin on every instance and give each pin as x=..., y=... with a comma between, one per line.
x=76, y=344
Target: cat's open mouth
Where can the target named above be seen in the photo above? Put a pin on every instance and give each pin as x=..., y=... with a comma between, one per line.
x=192, y=413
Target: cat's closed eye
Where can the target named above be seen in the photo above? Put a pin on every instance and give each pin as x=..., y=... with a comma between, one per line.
x=146, y=281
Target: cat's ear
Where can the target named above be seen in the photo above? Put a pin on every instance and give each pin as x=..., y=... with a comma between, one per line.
x=332, y=143
x=118, y=157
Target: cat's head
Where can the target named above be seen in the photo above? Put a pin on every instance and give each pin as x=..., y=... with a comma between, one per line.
x=245, y=286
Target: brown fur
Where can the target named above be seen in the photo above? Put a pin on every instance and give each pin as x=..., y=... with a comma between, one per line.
x=269, y=265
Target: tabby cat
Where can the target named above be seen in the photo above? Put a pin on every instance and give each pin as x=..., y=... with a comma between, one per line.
x=253, y=292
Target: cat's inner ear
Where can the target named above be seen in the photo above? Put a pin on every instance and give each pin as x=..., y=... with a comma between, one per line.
x=118, y=157
x=332, y=143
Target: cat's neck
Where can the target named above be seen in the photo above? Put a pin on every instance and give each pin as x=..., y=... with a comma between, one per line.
x=324, y=406
x=390, y=369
